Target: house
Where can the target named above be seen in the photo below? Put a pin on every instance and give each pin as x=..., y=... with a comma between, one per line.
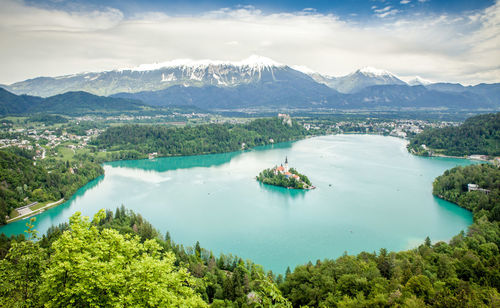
x=471, y=187
x=475, y=187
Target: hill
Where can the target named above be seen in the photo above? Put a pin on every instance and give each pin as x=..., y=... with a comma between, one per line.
x=70, y=103
x=477, y=135
x=73, y=103
x=453, y=186
x=49, y=180
x=16, y=104
x=201, y=139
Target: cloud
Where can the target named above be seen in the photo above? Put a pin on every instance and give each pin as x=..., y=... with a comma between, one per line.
x=388, y=13
x=404, y=1
x=52, y=42
x=385, y=9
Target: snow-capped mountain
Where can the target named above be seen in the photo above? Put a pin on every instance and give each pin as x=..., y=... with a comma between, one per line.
x=261, y=82
x=419, y=81
x=362, y=78
x=159, y=76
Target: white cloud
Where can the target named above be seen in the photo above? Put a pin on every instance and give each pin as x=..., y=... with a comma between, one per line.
x=404, y=1
x=385, y=9
x=388, y=13
x=39, y=41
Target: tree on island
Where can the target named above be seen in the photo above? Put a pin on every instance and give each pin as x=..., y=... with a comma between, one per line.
x=284, y=177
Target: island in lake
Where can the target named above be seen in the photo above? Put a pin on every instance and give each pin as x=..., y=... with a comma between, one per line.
x=284, y=177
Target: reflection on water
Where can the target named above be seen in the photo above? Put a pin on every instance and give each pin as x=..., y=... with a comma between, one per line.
x=283, y=192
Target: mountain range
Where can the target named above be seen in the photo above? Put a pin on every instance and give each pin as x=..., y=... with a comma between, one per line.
x=261, y=82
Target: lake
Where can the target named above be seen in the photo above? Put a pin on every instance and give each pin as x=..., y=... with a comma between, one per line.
x=371, y=194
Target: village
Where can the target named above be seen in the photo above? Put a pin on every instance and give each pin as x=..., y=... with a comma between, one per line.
x=50, y=140
x=401, y=128
x=43, y=139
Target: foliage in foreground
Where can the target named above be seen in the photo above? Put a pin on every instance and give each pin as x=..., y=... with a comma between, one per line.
x=86, y=266
x=120, y=260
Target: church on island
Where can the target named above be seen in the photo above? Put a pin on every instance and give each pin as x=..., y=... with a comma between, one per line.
x=285, y=171
x=284, y=177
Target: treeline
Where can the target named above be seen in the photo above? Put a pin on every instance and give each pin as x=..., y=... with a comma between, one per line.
x=193, y=140
x=23, y=181
x=119, y=259
x=477, y=135
x=268, y=176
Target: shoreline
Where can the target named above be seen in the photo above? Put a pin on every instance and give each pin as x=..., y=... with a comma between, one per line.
x=53, y=204
x=36, y=212
x=468, y=157
x=302, y=189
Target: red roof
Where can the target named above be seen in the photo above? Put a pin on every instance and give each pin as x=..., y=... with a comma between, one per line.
x=280, y=168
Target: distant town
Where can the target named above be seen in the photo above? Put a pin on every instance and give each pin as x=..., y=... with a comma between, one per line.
x=79, y=131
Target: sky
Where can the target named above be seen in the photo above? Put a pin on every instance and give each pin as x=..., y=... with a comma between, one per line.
x=452, y=41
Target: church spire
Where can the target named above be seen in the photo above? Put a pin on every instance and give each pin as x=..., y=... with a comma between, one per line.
x=286, y=159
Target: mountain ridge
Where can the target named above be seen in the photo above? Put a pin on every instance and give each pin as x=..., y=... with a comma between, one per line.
x=261, y=82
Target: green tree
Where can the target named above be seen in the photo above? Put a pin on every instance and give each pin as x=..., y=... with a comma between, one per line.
x=20, y=271
x=93, y=267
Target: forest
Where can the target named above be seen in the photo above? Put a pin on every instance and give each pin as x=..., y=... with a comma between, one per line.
x=193, y=140
x=452, y=186
x=477, y=135
x=25, y=181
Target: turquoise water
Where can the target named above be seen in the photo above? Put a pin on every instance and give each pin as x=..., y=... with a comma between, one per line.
x=380, y=196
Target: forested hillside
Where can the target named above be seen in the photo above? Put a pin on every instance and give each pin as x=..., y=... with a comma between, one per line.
x=477, y=135
x=119, y=260
x=452, y=186
x=22, y=182
x=202, y=139
x=70, y=103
